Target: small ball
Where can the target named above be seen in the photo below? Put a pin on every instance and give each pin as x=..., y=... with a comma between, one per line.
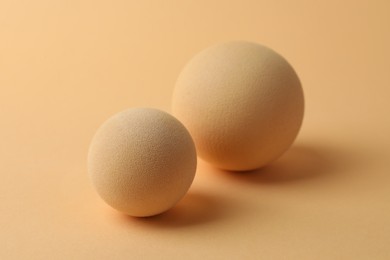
x=242, y=103
x=142, y=161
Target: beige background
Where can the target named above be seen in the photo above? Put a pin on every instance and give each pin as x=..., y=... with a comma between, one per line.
x=65, y=66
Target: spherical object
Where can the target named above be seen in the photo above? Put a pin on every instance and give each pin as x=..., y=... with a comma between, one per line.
x=242, y=103
x=142, y=161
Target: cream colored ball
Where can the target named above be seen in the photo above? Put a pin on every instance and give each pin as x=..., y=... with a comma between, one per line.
x=142, y=161
x=242, y=103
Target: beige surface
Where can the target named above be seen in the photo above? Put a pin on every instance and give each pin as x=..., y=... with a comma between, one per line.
x=65, y=66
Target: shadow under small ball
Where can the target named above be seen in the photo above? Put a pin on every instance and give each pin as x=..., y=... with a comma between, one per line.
x=242, y=103
x=142, y=161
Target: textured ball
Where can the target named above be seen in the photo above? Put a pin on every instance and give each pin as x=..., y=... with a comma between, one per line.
x=142, y=161
x=242, y=103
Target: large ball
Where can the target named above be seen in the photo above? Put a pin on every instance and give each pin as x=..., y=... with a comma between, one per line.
x=242, y=103
x=142, y=161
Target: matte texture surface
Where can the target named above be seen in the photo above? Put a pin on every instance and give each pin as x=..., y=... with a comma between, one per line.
x=142, y=161
x=67, y=66
x=242, y=103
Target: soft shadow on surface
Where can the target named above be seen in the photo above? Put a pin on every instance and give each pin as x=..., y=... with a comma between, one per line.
x=298, y=163
x=194, y=209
